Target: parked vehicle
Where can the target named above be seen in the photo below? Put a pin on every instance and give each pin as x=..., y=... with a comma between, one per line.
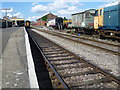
x=5, y=23
x=98, y=18
x=2, y=23
x=27, y=24
x=9, y=23
x=84, y=20
x=112, y=17
x=56, y=23
x=107, y=20
x=67, y=24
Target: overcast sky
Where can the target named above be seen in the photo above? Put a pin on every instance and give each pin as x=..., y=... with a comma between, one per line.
x=32, y=9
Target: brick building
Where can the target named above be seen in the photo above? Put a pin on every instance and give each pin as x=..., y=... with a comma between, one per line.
x=43, y=20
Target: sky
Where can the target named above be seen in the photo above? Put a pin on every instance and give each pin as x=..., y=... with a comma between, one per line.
x=32, y=9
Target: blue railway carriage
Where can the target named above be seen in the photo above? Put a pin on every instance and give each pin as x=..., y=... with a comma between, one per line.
x=112, y=17
x=111, y=21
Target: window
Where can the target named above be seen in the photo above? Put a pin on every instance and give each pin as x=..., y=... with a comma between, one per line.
x=96, y=13
x=100, y=12
x=87, y=14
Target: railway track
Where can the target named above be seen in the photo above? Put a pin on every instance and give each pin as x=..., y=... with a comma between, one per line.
x=68, y=70
x=108, y=47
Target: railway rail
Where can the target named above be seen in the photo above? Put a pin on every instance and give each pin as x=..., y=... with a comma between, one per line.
x=108, y=47
x=68, y=70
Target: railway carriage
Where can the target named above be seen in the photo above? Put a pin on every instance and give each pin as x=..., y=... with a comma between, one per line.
x=67, y=24
x=98, y=18
x=107, y=21
x=9, y=23
x=56, y=23
x=5, y=23
x=27, y=24
x=84, y=21
x=2, y=23
x=112, y=17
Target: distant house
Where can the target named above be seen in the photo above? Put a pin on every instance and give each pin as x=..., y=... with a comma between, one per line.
x=33, y=23
x=43, y=20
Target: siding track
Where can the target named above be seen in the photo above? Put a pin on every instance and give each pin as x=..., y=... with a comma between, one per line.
x=108, y=47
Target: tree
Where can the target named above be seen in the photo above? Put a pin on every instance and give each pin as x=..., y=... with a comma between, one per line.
x=65, y=18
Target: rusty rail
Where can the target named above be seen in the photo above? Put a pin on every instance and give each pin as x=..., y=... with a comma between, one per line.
x=53, y=73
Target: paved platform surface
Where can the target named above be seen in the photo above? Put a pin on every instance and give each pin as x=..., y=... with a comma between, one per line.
x=6, y=33
x=14, y=59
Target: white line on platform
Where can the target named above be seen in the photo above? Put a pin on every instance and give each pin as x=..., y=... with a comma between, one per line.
x=31, y=67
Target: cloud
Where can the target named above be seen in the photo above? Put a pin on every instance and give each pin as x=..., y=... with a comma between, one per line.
x=61, y=7
x=58, y=4
x=33, y=18
x=10, y=15
x=0, y=16
x=113, y=3
x=18, y=15
x=67, y=12
x=35, y=3
x=107, y=4
x=70, y=10
x=39, y=8
x=54, y=0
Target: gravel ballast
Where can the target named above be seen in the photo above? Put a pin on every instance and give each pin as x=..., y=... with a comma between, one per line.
x=101, y=58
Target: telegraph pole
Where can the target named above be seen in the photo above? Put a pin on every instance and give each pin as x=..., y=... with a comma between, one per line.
x=6, y=10
x=6, y=14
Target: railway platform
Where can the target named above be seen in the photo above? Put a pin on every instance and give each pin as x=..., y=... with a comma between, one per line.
x=17, y=65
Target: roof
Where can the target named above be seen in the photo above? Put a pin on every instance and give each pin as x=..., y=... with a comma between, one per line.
x=82, y=12
x=67, y=21
x=77, y=13
x=18, y=19
x=47, y=16
x=2, y=20
x=6, y=18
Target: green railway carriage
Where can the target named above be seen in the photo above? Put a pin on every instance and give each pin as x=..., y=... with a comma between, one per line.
x=84, y=20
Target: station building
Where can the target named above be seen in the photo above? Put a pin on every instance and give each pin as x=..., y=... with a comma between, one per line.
x=43, y=20
x=17, y=21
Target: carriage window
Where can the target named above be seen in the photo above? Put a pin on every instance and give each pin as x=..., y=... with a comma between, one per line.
x=96, y=13
x=114, y=10
x=87, y=14
x=106, y=12
x=100, y=12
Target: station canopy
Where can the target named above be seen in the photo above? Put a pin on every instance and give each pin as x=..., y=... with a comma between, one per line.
x=17, y=19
